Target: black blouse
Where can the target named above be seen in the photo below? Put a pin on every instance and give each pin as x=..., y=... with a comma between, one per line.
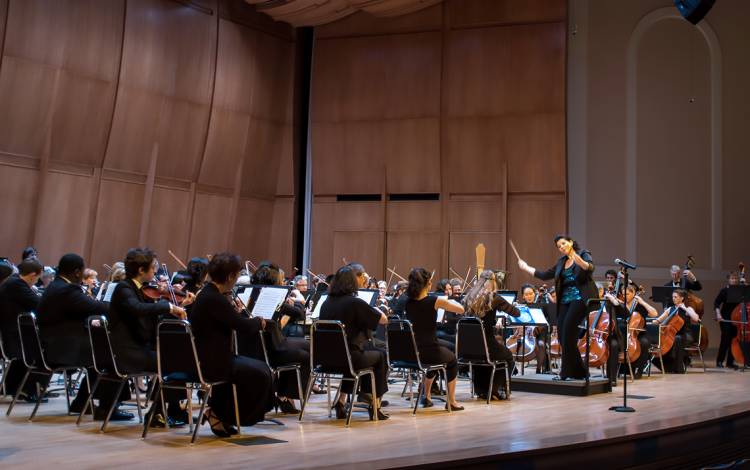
x=358, y=317
x=423, y=317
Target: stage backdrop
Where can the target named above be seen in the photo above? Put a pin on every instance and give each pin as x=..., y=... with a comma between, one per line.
x=132, y=122
x=438, y=130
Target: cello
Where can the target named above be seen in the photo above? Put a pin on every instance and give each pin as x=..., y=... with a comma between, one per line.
x=739, y=318
x=598, y=334
x=668, y=331
x=636, y=324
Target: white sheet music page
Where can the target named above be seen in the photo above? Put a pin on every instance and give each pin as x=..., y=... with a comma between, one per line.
x=268, y=301
x=366, y=295
x=110, y=291
x=321, y=300
x=244, y=296
x=441, y=311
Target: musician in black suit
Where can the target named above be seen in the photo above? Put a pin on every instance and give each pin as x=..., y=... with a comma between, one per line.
x=133, y=319
x=691, y=282
x=62, y=315
x=17, y=297
x=214, y=319
x=574, y=286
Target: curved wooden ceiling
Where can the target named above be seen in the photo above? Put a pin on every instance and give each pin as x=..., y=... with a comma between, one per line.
x=317, y=12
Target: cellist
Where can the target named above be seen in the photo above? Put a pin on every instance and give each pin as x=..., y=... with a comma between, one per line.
x=675, y=360
x=635, y=304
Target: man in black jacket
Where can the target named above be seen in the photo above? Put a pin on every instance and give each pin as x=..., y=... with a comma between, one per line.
x=17, y=297
x=62, y=315
x=133, y=318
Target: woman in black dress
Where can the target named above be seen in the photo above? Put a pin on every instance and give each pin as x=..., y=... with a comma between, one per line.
x=214, y=318
x=359, y=320
x=421, y=311
x=573, y=286
x=482, y=301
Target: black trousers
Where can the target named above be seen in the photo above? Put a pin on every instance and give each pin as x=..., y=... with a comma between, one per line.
x=447, y=339
x=439, y=354
x=14, y=376
x=728, y=331
x=675, y=360
x=481, y=374
x=254, y=383
x=374, y=358
x=569, y=316
x=105, y=391
x=297, y=352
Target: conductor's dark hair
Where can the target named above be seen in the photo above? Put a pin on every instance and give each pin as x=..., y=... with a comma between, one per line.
x=29, y=266
x=345, y=280
x=137, y=258
x=418, y=280
x=69, y=264
x=223, y=266
x=568, y=238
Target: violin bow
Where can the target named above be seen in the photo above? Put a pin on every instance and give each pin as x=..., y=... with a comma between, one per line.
x=390, y=278
x=396, y=274
x=176, y=258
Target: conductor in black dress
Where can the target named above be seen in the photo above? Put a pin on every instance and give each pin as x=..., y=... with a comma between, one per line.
x=214, y=319
x=421, y=311
x=574, y=285
x=359, y=320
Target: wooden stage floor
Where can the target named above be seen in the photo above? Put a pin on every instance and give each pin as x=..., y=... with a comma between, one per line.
x=528, y=422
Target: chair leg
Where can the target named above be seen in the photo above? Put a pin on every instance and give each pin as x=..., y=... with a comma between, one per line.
x=236, y=410
x=40, y=395
x=310, y=384
x=6, y=366
x=420, y=389
x=150, y=414
x=449, y=399
x=200, y=414
x=163, y=404
x=351, y=400
x=67, y=389
x=189, y=388
x=18, y=392
x=471, y=380
x=113, y=406
x=328, y=394
x=491, y=385
x=299, y=387
x=661, y=361
x=89, y=402
x=703, y=363
x=137, y=400
x=507, y=382
x=375, y=405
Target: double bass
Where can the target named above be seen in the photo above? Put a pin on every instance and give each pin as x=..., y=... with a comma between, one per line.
x=739, y=318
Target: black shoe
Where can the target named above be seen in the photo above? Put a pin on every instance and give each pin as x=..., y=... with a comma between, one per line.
x=117, y=415
x=340, y=410
x=482, y=396
x=426, y=403
x=384, y=403
x=180, y=418
x=287, y=407
x=719, y=365
x=217, y=427
x=381, y=416
x=454, y=408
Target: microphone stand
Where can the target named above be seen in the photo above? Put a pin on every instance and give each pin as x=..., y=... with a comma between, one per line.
x=624, y=408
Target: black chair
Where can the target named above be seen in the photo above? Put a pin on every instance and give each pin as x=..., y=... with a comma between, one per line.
x=471, y=350
x=695, y=347
x=105, y=365
x=330, y=359
x=6, y=363
x=276, y=371
x=180, y=369
x=34, y=359
x=403, y=355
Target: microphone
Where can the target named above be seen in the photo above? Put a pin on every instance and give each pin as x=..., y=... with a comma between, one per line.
x=625, y=264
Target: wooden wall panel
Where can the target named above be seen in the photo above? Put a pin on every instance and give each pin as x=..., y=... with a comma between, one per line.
x=413, y=215
x=63, y=219
x=364, y=247
x=170, y=211
x=252, y=230
x=165, y=88
x=280, y=241
x=468, y=13
x=118, y=221
x=211, y=215
x=406, y=250
x=18, y=188
x=476, y=215
x=462, y=251
x=358, y=24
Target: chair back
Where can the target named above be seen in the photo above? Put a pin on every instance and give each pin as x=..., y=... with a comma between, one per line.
x=3, y=354
x=329, y=348
x=263, y=347
x=176, y=354
x=471, y=344
x=31, y=343
x=402, y=346
x=696, y=332
x=101, y=346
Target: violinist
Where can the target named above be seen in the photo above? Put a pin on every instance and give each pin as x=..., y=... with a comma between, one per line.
x=676, y=360
x=677, y=273
x=446, y=330
x=723, y=310
x=133, y=318
x=398, y=306
x=421, y=311
x=574, y=286
x=528, y=296
x=90, y=282
x=482, y=301
x=301, y=290
x=457, y=289
x=214, y=319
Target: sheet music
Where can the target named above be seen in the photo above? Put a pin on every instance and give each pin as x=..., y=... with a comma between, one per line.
x=110, y=291
x=533, y=315
x=321, y=300
x=101, y=292
x=244, y=296
x=509, y=298
x=441, y=311
x=366, y=295
x=268, y=301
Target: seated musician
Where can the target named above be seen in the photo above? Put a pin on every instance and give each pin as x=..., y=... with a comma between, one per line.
x=528, y=295
x=300, y=290
x=457, y=289
x=446, y=329
x=723, y=310
x=676, y=360
x=133, y=318
x=677, y=273
x=281, y=350
x=399, y=299
x=195, y=274
x=421, y=311
x=214, y=319
x=483, y=301
x=634, y=304
x=90, y=282
x=62, y=313
x=359, y=320
x=17, y=297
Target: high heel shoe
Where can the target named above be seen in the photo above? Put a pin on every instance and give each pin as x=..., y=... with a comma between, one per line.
x=217, y=427
x=454, y=407
x=381, y=416
x=340, y=410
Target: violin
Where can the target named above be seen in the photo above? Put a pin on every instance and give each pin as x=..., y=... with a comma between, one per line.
x=154, y=292
x=739, y=317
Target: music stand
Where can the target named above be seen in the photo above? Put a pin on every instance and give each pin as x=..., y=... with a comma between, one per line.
x=530, y=317
x=662, y=294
